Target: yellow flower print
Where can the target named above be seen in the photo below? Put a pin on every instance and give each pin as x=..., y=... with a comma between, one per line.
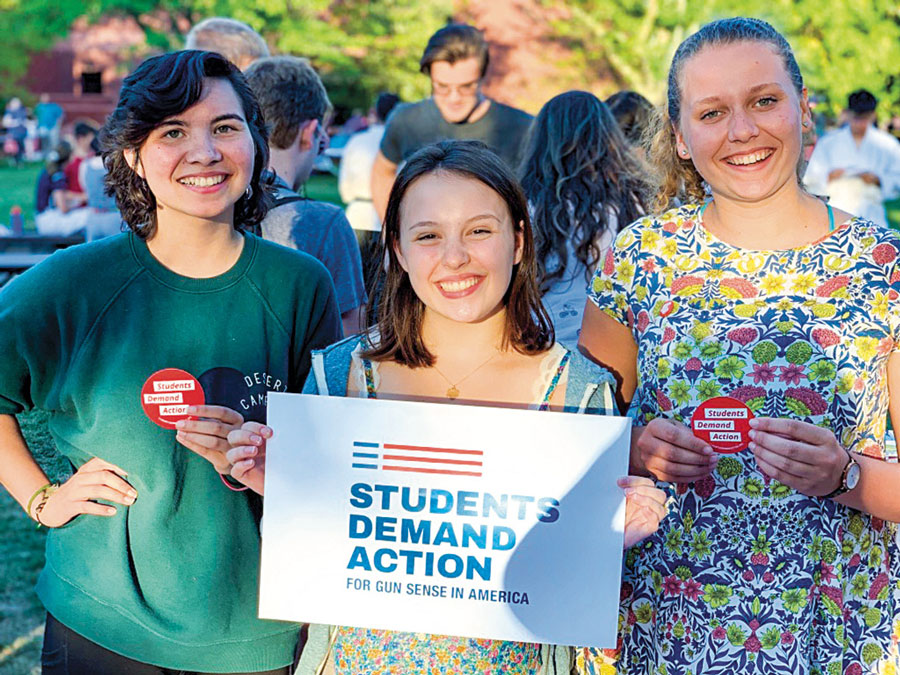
x=625, y=239
x=784, y=305
x=751, y=264
x=625, y=272
x=669, y=248
x=599, y=285
x=880, y=305
x=837, y=263
x=866, y=347
x=804, y=283
x=685, y=262
x=649, y=240
x=823, y=310
x=715, y=274
x=772, y=283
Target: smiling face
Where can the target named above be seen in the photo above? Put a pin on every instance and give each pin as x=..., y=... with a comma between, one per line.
x=199, y=162
x=741, y=120
x=458, y=245
x=456, y=87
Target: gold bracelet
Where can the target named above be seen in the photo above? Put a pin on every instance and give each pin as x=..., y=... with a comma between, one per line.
x=46, y=491
x=34, y=496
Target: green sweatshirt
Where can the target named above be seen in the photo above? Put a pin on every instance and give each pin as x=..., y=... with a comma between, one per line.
x=173, y=579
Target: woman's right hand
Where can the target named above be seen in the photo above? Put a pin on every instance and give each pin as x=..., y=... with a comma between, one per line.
x=670, y=452
x=248, y=454
x=96, y=479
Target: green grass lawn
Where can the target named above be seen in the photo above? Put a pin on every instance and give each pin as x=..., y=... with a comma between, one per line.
x=21, y=559
x=17, y=188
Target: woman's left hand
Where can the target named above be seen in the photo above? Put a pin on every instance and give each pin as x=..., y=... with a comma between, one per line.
x=645, y=507
x=207, y=433
x=801, y=455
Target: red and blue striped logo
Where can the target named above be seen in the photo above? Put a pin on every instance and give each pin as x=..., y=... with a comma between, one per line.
x=417, y=459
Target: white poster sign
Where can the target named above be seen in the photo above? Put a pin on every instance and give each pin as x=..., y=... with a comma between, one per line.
x=447, y=519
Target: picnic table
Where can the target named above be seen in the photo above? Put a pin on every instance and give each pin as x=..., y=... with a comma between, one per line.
x=18, y=253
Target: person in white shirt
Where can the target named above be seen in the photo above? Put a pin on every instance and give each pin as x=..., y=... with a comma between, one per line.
x=355, y=177
x=857, y=166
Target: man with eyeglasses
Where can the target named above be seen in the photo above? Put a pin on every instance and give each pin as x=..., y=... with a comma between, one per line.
x=456, y=60
x=295, y=106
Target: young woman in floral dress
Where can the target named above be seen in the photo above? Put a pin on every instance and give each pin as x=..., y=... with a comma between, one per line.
x=776, y=559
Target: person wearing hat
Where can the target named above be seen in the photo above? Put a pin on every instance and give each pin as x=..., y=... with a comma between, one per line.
x=857, y=166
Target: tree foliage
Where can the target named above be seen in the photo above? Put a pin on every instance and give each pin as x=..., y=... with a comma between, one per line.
x=363, y=46
x=840, y=46
x=360, y=47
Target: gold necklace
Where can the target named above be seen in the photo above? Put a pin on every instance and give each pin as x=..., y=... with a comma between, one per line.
x=452, y=391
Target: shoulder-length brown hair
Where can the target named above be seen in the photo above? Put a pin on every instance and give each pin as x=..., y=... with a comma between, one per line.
x=399, y=313
x=163, y=86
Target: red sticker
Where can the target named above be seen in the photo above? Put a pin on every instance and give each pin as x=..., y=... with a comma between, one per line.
x=167, y=394
x=724, y=423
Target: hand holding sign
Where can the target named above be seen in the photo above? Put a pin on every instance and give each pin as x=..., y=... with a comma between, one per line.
x=248, y=454
x=804, y=457
x=669, y=451
x=645, y=507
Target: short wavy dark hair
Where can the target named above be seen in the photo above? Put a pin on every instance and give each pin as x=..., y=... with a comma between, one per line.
x=160, y=87
x=400, y=311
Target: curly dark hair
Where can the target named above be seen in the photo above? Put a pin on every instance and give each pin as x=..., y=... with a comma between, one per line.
x=159, y=88
x=580, y=174
x=400, y=312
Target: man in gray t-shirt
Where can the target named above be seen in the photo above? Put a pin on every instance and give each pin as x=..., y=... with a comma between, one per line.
x=294, y=104
x=456, y=60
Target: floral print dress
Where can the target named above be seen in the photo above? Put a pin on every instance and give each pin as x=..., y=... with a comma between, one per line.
x=746, y=575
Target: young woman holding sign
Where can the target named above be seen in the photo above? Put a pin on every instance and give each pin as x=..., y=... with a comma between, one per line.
x=460, y=321
x=778, y=558
x=152, y=562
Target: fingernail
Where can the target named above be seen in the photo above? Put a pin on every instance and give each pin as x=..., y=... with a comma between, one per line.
x=752, y=433
x=628, y=491
x=179, y=424
x=751, y=447
x=129, y=500
x=255, y=439
x=192, y=409
x=132, y=494
x=753, y=422
x=110, y=510
x=266, y=430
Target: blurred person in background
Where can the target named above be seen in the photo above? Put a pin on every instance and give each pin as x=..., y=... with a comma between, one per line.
x=582, y=183
x=57, y=213
x=84, y=135
x=233, y=39
x=295, y=106
x=355, y=177
x=14, y=117
x=49, y=120
x=456, y=60
x=857, y=166
x=635, y=115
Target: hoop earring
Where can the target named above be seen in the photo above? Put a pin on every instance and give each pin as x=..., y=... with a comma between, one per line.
x=248, y=192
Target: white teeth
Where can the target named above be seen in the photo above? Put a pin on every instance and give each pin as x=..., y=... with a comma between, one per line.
x=202, y=181
x=744, y=160
x=457, y=286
